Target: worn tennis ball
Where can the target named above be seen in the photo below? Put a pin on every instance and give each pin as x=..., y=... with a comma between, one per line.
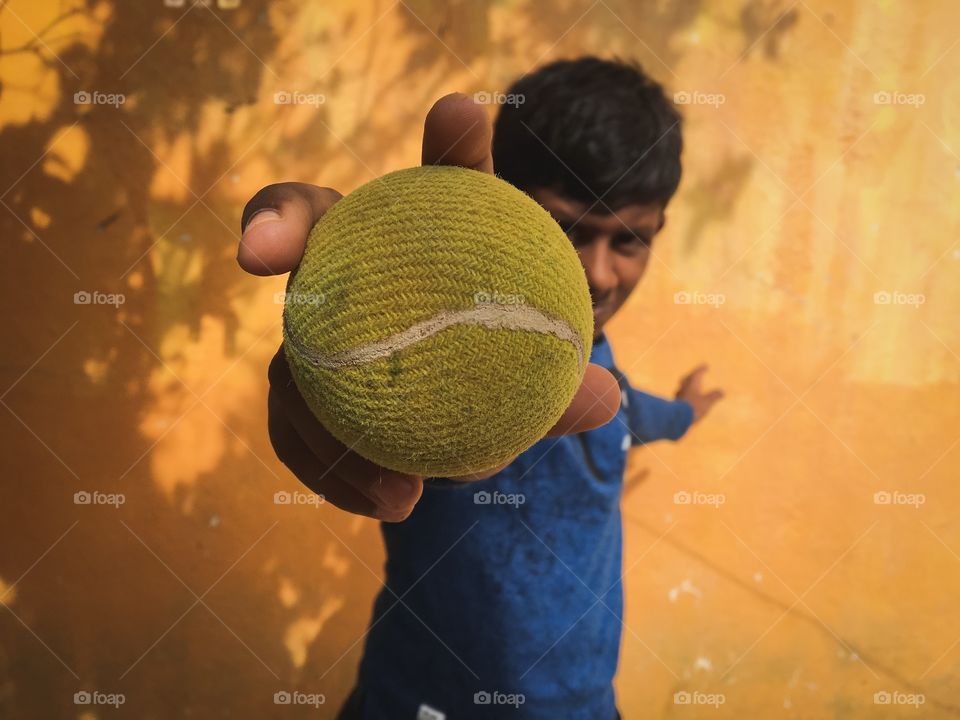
x=439, y=322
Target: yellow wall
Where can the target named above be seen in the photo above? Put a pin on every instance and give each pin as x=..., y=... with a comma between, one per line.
x=803, y=197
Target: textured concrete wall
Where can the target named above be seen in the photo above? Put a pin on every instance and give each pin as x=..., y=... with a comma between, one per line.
x=805, y=194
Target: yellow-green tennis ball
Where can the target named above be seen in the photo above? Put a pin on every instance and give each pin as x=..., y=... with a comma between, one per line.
x=439, y=323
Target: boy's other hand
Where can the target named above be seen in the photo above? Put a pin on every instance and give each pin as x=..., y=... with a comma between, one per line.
x=275, y=226
x=691, y=390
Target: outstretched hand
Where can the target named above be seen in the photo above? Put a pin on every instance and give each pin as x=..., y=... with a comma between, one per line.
x=691, y=390
x=275, y=226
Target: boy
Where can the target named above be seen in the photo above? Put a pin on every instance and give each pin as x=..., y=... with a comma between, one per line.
x=509, y=609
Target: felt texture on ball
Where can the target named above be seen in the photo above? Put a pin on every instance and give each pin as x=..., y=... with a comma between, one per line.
x=439, y=323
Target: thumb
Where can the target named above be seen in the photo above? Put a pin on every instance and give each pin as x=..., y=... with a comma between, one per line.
x=595, y=403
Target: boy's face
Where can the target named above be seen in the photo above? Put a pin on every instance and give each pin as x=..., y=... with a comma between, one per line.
x=613, y=247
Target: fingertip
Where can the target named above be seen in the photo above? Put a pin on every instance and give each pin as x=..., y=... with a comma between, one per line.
x=595, y=403
x=454, y=97
x=276, y=222
x=456, y=104
x=396, y=495
x=392, y=516
x=263, y=254
x=603, y=386
x=458, y=131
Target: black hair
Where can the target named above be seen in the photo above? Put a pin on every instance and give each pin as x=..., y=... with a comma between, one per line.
x=590, y=128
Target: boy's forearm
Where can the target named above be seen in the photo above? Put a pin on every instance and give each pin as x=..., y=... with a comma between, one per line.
x=655, y=418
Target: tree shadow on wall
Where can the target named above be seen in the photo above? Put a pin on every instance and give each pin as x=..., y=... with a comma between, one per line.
x=113, y=605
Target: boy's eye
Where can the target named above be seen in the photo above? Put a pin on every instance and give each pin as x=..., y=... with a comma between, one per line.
x=625, y=242
x=632, y=242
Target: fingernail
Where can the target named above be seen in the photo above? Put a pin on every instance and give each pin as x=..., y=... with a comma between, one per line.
x=392, y=516
x=261, y=216
x=394, y=494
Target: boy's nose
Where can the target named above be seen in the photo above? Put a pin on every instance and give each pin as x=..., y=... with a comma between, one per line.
x=598, y=264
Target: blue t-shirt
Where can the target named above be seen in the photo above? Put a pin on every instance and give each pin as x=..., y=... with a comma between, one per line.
x=503, y=597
